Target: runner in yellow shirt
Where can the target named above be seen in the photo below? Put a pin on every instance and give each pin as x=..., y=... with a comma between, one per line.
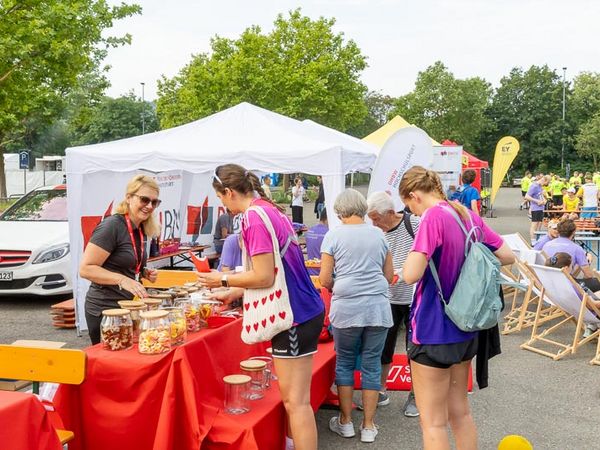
x=556, y=186
x=571, y=201
x=525, y=183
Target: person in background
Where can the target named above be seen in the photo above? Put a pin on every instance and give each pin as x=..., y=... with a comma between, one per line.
x=399, y=229
x=223, y=229
x=452, y=193
x=231, y=256
x=552, y=234
x=564, y=243
x=298, y=201
x=439, y=351
x=314, y=238
x=590, y=195
x=575, y=180
x=525, y=183
x=360, y=310
x=596, y=179
x=469, y=195
x=114, y=260
x=239, y=190
x=266, y=187
x=320, y=201
x=556, y=187
x=571, y=201
x=537, y=201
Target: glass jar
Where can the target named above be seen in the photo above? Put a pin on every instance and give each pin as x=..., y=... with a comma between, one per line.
x=116, y=329
x=192, y=316
x=256, y=371
x=178, y=324
x=155, y=332
x=236, y=397
x=269, y=352
x=152, y=303
x=135, y=308
x=207, y=307
x=268, y=368
x=166, y=299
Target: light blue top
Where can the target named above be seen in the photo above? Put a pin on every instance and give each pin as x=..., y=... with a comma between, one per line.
x=360, y=290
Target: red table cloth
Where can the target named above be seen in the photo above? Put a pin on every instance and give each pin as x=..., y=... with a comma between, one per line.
x=173, y=401
x=25, y=424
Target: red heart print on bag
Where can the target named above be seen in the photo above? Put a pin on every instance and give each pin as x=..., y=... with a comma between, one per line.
x=248, y=328
x=247, y=306
x=282, y=315
x=271, y=296
x=272, y=318
x=264, y=323
x=255, y=303
x=263, y=300
x=255, y=326
x=278, y=293
x=276, y=270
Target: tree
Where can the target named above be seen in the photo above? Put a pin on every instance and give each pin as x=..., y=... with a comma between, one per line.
x=446, y=107
x=528, y=106
x=111, y=119
x=46, y=49
x=588, y=139
x=379, y=107
x=301, y=69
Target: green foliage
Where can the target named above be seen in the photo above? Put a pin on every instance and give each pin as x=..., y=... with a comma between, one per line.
x=446, y=107
x=111, y=119
x=379, y=108
x=301, y=69
x=528, y=106
x=588, y=139
x=47, y=49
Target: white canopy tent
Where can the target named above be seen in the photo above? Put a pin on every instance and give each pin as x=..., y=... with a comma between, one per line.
x=253, y=137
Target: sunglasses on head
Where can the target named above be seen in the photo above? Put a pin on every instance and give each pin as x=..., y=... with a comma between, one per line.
x=216, y=177
x=155, y=202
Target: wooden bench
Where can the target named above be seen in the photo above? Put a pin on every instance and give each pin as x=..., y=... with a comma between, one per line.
x=40, y=364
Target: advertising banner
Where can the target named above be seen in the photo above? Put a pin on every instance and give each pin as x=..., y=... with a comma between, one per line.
x=447, y=162
x=506, y=151
x=406, y=148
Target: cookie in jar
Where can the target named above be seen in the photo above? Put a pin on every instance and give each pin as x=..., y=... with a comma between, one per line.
x=116, y=329
x=155, y=333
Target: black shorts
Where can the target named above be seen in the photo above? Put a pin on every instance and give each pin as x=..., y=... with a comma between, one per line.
x=523, y=193
x=537, y=216
x=443, y=356
x=300, y=340
x=400, y=314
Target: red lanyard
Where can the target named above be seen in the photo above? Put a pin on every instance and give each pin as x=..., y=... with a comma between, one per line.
x=138, y=263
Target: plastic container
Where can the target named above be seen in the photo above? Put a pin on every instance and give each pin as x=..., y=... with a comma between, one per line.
x=155, y=332
x=178, y=324
x=116, y=329
x=191, y=313
x=236, y=397
x=256, y=371
x=135, y=308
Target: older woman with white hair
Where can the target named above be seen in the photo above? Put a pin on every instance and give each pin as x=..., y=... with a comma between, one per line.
x=400, y=229
x=360, y=310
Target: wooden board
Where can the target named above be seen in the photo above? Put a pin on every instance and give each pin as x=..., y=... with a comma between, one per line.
x=169, y=278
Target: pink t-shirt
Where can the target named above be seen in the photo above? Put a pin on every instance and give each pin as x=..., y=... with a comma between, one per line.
x=304, y=297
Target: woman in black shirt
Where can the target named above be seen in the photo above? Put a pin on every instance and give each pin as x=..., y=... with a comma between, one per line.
x=114, y=259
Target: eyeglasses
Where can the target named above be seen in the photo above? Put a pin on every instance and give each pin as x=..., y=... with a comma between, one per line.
x=155, y=202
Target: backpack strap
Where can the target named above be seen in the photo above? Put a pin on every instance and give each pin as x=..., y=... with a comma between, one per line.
x=408, y=224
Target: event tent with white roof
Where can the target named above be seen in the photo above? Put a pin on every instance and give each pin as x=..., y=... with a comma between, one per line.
x=245, y=134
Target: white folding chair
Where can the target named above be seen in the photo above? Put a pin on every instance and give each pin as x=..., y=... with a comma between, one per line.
x=565, y=294
x=516, y=241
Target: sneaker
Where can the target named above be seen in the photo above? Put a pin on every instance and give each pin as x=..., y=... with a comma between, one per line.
x=368, y=434
x=383, y=400
x=589, y=329
x=343, y=429
x=410, y=407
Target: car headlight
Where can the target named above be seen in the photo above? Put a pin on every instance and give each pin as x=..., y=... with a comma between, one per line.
x=52, y=254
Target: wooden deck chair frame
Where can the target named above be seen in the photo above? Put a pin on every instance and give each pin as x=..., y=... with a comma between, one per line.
x=39, y=364
x=573, y=313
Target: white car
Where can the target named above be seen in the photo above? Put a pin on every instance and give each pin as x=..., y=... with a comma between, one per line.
x=34, y=244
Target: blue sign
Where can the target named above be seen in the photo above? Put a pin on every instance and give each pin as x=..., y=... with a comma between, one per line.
x=24, y=159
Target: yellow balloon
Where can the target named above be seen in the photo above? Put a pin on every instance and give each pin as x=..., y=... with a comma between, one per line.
x=514, y=442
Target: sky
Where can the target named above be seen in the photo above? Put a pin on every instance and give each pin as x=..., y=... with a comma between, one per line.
x=483, y=38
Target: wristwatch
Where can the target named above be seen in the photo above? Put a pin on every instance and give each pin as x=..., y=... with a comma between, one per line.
x=224, y=281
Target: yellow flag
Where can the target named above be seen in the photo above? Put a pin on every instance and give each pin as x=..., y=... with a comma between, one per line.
x=506, y=152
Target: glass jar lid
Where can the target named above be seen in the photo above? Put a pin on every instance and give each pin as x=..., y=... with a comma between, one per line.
x=115, y=312
x=131, y=304
x=152, y=301
x=236, y=379
x=155, y=314
x=253, y=365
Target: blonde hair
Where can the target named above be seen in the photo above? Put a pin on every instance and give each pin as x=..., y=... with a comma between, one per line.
x=419, y=178
x=151, y=226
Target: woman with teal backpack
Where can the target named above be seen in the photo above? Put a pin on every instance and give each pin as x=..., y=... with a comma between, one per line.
x=439, y=350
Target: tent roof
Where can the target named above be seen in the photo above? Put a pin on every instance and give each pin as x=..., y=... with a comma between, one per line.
x=381, y=135
x=253, y=137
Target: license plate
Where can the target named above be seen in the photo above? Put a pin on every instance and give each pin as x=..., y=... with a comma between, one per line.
x=6, y=276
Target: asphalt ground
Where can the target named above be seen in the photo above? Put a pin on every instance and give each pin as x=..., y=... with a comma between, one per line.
x=554, y=404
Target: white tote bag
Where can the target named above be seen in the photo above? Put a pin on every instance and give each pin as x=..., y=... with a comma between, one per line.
x=267, y=311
